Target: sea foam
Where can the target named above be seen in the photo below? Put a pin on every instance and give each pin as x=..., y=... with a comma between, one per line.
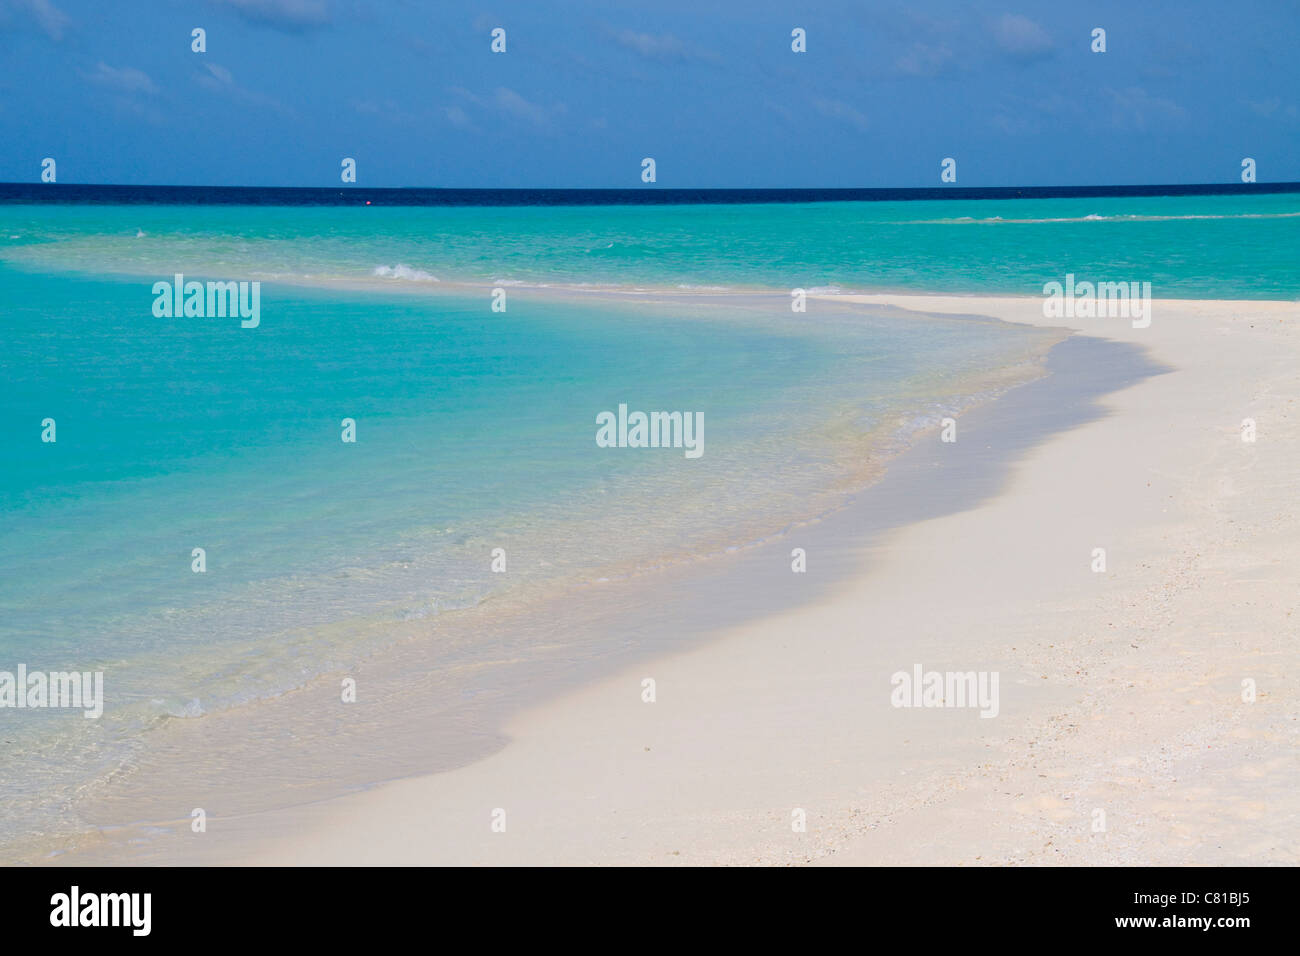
x=401, y=271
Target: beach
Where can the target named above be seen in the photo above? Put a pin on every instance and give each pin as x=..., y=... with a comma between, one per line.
x=594, y=438
x=1121, y=691
x=1123, y=688
x=372, y=564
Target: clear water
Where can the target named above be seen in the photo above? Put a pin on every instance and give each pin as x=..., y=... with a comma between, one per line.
x=1186, y=247
x=475, y=429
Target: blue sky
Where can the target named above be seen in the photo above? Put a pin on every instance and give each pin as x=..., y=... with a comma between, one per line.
x=587, y=88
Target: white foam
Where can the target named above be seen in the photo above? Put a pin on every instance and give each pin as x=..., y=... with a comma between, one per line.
x=401, y=271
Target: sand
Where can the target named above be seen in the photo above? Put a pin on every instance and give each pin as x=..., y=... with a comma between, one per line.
x=1122, y=735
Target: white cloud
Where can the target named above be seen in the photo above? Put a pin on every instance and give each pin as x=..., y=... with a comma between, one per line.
x=48, y=17
x=838, y=109
x=1264, y=107
x=516, y=105
x=662, y=47
x=293, y=16
x=220, y=76
x=457, y=117
x=1136, y=107
x=504, y=100
x=1021, y=38
x=126, y=79
x=218, y=79
x=924, y=59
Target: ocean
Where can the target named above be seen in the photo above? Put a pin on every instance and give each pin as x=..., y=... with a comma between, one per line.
x=1195, y=246
x=475, y=482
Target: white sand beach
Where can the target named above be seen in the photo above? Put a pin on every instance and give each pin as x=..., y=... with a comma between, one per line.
x=1120, y=692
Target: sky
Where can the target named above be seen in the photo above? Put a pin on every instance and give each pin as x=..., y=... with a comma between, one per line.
x=588, y=88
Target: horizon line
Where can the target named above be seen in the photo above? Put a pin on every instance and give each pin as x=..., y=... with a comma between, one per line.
x=649, y=194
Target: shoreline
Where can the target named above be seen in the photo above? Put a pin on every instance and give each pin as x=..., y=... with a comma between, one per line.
x=185, y=728
x=1190, y=773
x=332, y=829
x=172, y=742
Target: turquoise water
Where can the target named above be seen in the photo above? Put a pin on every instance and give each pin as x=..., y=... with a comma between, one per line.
x=1186, y=247
x=475, y=429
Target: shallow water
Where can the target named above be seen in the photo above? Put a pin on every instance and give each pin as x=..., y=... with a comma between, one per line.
x=1212, y=247
x=475, y=431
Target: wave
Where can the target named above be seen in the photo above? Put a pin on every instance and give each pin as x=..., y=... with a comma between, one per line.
x=401, y=271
